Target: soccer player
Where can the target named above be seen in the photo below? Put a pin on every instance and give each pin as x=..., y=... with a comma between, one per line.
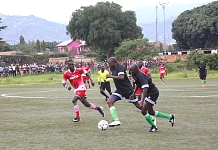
x=202, y=72
x=163, y=71
x=123, y=89
x=145, y=71
x=74, y=76
x=150, y=96
x=104, y=82
x=85, y=77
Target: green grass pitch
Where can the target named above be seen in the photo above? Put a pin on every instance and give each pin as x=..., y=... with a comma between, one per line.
x=39, y=117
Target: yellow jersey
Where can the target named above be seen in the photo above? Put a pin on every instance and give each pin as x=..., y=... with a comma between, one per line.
x=102, y=76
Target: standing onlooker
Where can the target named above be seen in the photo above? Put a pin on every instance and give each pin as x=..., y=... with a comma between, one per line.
x=17, y=69
x=10, y=70
x=13, y=70
x=202, y=72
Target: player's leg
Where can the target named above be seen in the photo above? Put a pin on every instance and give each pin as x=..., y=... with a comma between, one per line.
x=112, y=99
x=88, y=83
x=92, y=106
x=148, y=117
x=102, y=88
x=108, y=87
x=203, y=80
x=151, y=100
x=76, y=109
x=140, y=107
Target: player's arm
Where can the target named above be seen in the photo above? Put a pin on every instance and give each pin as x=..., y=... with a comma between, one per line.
x=88, y=75
x=120, y=76
x=166, y=71
x=64, y=82
x=99, y=78
x=205, y=70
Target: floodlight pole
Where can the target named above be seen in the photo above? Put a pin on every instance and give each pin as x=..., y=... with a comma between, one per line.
x=164, y=4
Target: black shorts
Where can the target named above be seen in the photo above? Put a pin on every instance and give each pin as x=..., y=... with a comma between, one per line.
x=125, y=94
x=203, y=77
x=152, y=98
x=105, y=85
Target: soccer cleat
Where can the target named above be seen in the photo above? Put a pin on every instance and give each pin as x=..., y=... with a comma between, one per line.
x=172, y=120
x=115, y=123
x=153, y=129
x=76, y=119
x=101, y=110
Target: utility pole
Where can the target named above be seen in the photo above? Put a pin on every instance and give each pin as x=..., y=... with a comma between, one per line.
x=156, y=23
x=164, y=4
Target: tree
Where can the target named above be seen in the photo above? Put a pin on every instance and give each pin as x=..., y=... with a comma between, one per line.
x=43, y=47
x=170, y=48
x=103, y=26
x=197, y=28
x=22, y=41
x=161, y=47
x=136, y=49
x=38, y=47
x=2, y=42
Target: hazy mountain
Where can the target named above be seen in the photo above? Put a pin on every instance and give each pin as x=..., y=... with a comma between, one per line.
x=32, y=28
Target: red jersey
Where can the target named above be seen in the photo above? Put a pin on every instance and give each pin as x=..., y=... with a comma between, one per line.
x=85, y=68
x=75, y=78
x=145, y=70
x=162, y=69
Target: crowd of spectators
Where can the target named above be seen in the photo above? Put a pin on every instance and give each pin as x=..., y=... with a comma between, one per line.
x=16, y=69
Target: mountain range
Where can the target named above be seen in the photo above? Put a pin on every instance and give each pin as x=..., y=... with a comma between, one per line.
x=35, y=28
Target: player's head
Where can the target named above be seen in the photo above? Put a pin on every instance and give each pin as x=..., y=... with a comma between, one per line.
x=134, y=69
x=70, y=65
x=112, y=62
x=201, y=62
x=102, y=67
x=140, y=63
x=79, y=65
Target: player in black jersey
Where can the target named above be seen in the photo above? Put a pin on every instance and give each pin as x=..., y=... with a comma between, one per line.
x=150, y=96
x=123, y=89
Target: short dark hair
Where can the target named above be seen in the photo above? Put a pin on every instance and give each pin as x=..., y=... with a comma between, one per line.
x=69, y=61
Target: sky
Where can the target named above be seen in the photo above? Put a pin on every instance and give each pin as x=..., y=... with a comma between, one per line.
x=61, y=10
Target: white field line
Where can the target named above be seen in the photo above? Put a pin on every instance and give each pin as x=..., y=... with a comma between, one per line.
x=13, y=95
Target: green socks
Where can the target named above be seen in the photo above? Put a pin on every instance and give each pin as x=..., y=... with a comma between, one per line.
x=150, y=119
x=114, y=113
x=162, y=115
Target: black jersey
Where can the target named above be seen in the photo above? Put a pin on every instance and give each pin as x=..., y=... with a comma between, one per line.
x=143, y=81
x=202, y=69
x=122, y=86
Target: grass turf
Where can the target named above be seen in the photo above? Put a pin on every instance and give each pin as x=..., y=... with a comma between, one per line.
x=40, y=117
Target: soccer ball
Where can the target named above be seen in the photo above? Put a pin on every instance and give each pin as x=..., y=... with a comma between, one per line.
x=103, y=125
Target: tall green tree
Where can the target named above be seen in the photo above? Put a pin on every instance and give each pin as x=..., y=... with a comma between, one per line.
x=22, y=40
x=136, y=49
x=43, y=47
x=2, y=45
x=197, y=28
x=38, y=46
x=103, y=26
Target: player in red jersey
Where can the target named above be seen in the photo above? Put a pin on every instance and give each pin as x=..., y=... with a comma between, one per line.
x=74, y=76
x=163, y=71
x=85, y=77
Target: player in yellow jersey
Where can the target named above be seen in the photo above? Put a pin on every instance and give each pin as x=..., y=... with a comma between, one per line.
x=104, y=82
